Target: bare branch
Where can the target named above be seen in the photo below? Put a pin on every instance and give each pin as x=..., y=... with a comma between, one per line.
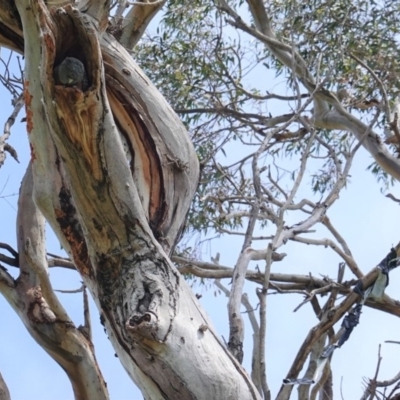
x=236, y=329
x=267, y=122
x=370, y=390
x=60, y=262
x=320, y=385
x=73, y=291
x=137, y=20
x=325, y=324
x=311, y=371
x=9, y=249
x=388, y=382
x=282, y=51
x=329, y=243
x=314, y=292
x=255, y=363
x=350, y=259
x=262, y=293
x=338, y=118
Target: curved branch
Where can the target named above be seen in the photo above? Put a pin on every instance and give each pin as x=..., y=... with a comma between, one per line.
x=329, y=243
x=340, y=118
x=41, y=311
x=283, y=52
x=255, y=361
x=336, y=118
x=327, y=223
x=137, y=20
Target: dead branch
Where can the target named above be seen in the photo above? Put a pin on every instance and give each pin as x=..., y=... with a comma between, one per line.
x=370, y=390
x=310, y=296
x=60, y=262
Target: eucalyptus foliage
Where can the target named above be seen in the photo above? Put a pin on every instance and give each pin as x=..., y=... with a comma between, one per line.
x=220, y=79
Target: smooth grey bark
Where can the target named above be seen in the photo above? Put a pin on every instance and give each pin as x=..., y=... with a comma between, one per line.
x=114, y=173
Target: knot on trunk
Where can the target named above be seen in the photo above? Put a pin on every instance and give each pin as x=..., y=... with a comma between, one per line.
x=38, y=309
x=236, y=348
x=145, y=325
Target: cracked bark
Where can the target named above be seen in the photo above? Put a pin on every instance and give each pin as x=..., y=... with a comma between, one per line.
x=118, y=216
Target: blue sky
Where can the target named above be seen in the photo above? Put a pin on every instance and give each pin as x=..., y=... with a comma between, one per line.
x=364, y=216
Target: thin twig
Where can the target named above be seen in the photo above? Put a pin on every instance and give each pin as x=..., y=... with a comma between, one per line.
x=73, y=291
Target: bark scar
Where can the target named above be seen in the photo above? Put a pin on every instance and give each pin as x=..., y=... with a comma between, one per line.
x=145, y=325
x=38, y=309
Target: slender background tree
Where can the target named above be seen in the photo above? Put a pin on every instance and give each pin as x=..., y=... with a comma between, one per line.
x=280, y=100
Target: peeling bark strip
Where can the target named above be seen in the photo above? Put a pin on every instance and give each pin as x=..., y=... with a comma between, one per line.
x=119, y=211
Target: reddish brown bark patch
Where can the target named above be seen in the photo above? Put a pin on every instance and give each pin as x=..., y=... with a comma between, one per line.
x=28, y=102
x=144, y=149
x=33, y=155
x=78, y=114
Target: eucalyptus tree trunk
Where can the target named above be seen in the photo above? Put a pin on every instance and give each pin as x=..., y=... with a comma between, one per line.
x=113, y=171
